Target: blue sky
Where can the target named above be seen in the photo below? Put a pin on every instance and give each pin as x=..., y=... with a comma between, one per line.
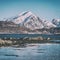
x=45, y=9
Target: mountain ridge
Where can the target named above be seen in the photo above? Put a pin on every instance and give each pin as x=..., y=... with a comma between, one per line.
x=28, y=23
x=30, y=20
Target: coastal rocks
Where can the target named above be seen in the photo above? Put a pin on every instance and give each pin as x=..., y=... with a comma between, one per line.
x=33, y=38
x=5, y=42
x=37, y=38
x=48, y=38
x=20, y=41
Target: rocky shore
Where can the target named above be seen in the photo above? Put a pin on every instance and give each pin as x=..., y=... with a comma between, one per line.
x=20, y=41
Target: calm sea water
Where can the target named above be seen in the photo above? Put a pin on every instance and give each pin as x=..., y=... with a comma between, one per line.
x=46, y=51
x=56, y=36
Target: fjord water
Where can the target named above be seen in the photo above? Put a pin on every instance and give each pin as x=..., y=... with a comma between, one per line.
x=53, y=36
x=41, y=51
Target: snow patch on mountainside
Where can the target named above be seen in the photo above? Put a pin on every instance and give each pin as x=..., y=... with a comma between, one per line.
x=56, y=22
x=33, y=23
x=48, y=24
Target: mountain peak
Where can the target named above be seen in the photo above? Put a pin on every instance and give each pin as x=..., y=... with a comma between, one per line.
x=23, y=16
x=24, y=13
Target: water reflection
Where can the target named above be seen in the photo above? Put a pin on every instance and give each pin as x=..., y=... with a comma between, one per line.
x=31, y=52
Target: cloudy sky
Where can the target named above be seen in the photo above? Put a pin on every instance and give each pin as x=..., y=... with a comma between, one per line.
x=45, y=9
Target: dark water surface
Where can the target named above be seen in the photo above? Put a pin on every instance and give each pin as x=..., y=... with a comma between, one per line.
x=54, y=36
x=46, y=51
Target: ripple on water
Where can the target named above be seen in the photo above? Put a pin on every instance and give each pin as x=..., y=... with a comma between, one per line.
x=11, y=55
x=31, y=52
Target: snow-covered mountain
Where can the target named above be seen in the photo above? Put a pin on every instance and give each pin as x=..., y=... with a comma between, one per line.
x=56, y=22
x=31, y=21
x=27, y=22
x=48, y=24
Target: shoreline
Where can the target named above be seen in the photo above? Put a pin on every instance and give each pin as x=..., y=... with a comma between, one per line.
x=23, y=41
